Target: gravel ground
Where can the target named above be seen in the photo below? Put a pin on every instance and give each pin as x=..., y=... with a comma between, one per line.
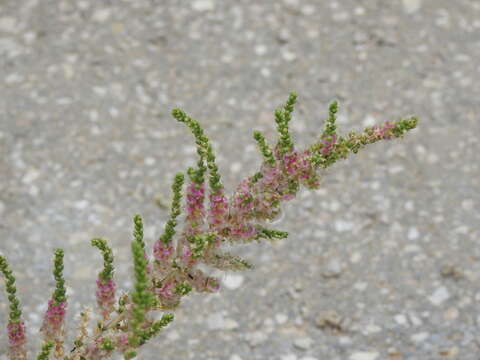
x=381, y=263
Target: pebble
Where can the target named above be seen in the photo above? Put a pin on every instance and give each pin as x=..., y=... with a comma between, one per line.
x=233, y=281
x=235, y=357
x=256, y=338
x=329, y=319
x=289, y=357
x=30, y=176
x=439, y=296
x=101, y=15
x=413, y=233
x=281, y=319
x=343, y=226
x=217, y=321
x=203, y=5
x=364, y=355
x=303, y=343
x=333, y=269
x=411, y=6
x=401, y=319
x=420, y=337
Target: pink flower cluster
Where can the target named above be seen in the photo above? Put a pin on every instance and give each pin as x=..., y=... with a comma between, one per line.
x=195, y=206
x=16, y=333
x=300, y=169
x=105, y=296
x=161, y=251
x=328, y=144
x=383, y=131
x=17, y=339
x=218, y=211
x=54, y=320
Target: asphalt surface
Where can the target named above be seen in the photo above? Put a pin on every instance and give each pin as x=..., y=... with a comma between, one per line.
x=382, y=263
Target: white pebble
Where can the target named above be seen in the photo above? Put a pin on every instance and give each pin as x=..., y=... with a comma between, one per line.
x=31, y=176
x=401, y=319
x=281, y=318
x=203, y=5
x=149, y=161
x=233, y=281
x=439, y=296
x=343, y=226
x=413, y=233
x=81, y=204
x=364, y=355
x=288, y=56
x=419, y=337
x=260, y=49
x=411, y=6
x=303, y=343
x=101, y=15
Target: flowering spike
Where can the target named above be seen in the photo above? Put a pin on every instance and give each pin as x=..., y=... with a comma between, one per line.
x=16, y=326
x=289, y=107
x=271, y=234
x=327, y=152
x=155, y=328
x=53, y=327
x=46, y=350
x=138, y=230
x=330, y=127
x=264, y=148
x=175, y=211
x=204, y=148
x=282, y=118
x=227, y=261
x=141, y=296
x=105, y=285
x=108, y=269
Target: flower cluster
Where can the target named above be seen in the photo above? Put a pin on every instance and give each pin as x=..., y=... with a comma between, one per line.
x=180, y=258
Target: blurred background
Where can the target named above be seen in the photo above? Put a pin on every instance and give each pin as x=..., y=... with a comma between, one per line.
x=382, y=263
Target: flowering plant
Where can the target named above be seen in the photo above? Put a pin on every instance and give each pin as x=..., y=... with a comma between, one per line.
x=126, y=321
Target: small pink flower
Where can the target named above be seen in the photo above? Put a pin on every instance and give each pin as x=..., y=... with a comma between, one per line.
x=54, y=320
x=167, y=290
x=162, y=252
x=16, y=333
x=187, y=258
x=218, y=209
x=328, y=145
x=106, y=295
x=122, y=342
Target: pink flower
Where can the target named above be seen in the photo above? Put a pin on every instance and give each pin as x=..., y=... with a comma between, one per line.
x=54, y=320
x=122, y=342
x=328, y=144
x=162, y=252
x=218, y=209
x=187, y=258
x=167, y=290
x=106, y=295
x=16, y=333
